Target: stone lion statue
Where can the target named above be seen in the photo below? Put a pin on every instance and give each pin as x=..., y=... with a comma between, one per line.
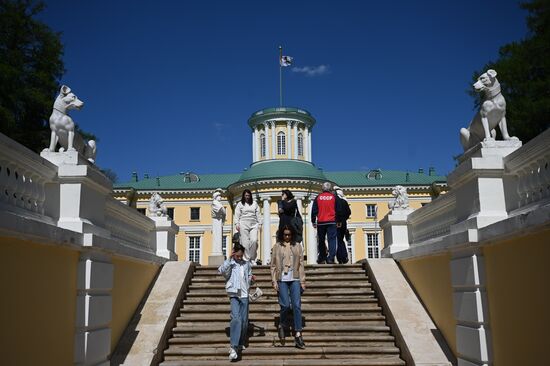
x=156, y=206
x=400, y=200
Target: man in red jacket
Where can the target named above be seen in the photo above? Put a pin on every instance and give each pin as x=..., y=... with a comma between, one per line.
x=324, y=219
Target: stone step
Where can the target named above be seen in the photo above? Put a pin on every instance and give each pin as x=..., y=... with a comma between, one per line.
x=309, y=271
x=269, y=329
x=267, y=278
x=224, y=300
x=343, y=340
x=263, y=317
x=278, y=352
x=366, y=360
x=308, y=267
x=315, y=292
x=267, y=308
x=309, y=285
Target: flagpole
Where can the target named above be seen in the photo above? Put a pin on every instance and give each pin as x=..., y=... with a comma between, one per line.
x=280, y=76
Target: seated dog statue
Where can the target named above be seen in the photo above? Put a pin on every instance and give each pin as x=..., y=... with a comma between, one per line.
x=491, y=114
x=63, y=126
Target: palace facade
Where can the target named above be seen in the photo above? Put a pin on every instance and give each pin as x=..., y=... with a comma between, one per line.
x=281, y=159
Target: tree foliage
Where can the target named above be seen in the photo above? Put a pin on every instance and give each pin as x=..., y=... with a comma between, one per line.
x=30, y=69
x=524, y=74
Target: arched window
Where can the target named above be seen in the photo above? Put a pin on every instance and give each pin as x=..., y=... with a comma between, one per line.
x=281, y=143
x=262, y=145
x=300, y=144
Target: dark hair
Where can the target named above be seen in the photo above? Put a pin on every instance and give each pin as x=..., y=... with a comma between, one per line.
x=237, y=247
x=289, y=194
x=280, y=233
x=243, y=199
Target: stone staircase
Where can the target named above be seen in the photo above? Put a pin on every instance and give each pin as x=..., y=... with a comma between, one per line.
x=343, y=323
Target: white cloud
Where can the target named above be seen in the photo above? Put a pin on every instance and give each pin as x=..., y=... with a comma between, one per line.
x=312, y=70
x=220, y=130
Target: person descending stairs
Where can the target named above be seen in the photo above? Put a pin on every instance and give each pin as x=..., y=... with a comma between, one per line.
x=342, y=318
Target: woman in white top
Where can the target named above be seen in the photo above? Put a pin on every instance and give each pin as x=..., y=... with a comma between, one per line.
x=247, y=221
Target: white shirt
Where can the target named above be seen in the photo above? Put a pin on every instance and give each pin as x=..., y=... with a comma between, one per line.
x=247, y=212
x=243, y=292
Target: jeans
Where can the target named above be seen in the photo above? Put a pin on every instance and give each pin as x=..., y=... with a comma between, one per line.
x=248, y=231
x=294, y=288
x=342, y=251
x=330, y=231
x=239, y=321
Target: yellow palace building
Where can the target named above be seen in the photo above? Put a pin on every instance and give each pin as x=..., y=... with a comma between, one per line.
x=281, y=159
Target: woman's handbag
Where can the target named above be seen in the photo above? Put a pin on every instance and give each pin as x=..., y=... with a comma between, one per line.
x=256, y=295
x=298, y=226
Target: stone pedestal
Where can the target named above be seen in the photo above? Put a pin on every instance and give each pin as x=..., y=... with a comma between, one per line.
x=479, y=186
x=396, y=234
x=166, y=232
x=83, y=190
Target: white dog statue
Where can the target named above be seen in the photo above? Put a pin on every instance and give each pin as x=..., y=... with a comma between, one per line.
x=491, y=114
x=63, y=126
x=400, y=200
x=156, y=206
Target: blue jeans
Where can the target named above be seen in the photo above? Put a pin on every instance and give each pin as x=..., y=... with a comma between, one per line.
x=239, y=321
x=294, y=288
x=330, y=231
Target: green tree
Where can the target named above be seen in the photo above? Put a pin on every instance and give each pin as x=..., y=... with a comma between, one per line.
x=30, y=69
x=524, y=74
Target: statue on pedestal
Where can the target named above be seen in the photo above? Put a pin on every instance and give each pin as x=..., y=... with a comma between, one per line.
x=218, y=218
x=156, y=206
x=492, y=113
x=400, y=200
x=63, y=128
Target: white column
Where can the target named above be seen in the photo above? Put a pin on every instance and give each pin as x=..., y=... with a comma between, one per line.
x=254, y=157
x=288, y=145
x=266, y=231
x=296, y=140
x=273, y=140
x=309, y=157
x=473, y=338
x=311, y=242
x=257, y=138
x=94, y=304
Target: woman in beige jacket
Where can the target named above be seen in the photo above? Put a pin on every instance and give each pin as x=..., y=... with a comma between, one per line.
x=288, y=276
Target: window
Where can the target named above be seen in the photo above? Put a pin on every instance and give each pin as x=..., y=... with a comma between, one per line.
x=141, y=211
x=195, y=249
x=262, y=145
x=224, y=246
x=281, y=143
x=371, y=211
x=300, y=144
x=373, y=249
x=195, y=213
x=170, y=212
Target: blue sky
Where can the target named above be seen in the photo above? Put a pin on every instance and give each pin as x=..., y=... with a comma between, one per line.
x=169, y=85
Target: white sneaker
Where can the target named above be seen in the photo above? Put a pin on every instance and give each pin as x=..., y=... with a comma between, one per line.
x=232, y=354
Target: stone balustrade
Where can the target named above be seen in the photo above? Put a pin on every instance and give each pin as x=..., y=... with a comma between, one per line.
x=433, y=220
x=528, y=170
x=24, y=177
x=129, y=226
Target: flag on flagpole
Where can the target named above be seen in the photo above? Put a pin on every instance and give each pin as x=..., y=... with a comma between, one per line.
x=286, y=61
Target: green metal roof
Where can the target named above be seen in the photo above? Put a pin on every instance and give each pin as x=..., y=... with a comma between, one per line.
x=272, y=169
x=384, y=178
x=281, y=112
x=206, y=181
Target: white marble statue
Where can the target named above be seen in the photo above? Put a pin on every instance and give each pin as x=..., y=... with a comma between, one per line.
x=156, y=206
x=400, y=200
x=218, y=218
x=492, y=113
x=63, y=126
